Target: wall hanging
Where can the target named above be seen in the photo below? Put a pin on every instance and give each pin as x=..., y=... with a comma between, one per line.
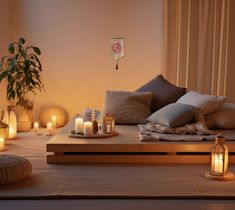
x=117, y=49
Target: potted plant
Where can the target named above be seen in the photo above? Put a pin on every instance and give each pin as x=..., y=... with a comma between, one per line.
x=3, y=127
x=22, y=71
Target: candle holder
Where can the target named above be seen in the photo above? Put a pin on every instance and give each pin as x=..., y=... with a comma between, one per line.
x=219, y=161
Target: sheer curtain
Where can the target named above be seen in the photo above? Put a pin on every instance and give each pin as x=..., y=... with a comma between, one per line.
x=199, y=45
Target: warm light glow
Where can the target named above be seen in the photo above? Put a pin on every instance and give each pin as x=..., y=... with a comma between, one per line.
x=218, y=164
x=88, y=129
x=2, y=144
x=53, y=120
x=79, y=125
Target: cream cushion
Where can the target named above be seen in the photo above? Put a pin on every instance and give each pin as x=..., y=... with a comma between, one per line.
x=224, y=118
x=13, y=168
x=46, y=116
x=207, y=103
x=128, y=107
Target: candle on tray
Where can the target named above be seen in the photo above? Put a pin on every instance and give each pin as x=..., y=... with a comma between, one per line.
x=49, y=129
x=79, y=125
x=2, y=144
x=53, y=120
x=87, y=129
x=218, y=164
x=36, y=127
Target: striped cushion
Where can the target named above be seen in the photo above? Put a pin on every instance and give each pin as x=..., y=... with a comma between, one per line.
x=13, y=168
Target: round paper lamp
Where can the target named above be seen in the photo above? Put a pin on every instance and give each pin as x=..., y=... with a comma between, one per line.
x=57, y=115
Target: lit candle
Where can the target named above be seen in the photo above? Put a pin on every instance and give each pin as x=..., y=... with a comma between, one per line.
x=2, y=144
x=87, y=129
x=12, y=133
x=36, y=127
x=49, y=129
x=79, y=125
x=218, y=164
x=53, y=120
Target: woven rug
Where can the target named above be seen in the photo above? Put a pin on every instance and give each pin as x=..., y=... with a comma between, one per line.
x=107, y=181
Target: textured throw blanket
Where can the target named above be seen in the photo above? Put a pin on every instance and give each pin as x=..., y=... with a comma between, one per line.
x=190, y=132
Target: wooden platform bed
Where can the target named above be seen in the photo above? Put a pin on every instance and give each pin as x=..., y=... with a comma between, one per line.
x=127, y=148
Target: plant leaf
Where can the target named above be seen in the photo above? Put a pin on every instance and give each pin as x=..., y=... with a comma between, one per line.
x=3, y=75
x=37, y=50
x=22, y=40
x=11, y=48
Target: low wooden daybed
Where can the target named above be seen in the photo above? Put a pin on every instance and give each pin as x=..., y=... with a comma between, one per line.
x=127, y=148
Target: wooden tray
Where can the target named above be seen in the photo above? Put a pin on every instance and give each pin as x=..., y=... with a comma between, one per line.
x=94, y=136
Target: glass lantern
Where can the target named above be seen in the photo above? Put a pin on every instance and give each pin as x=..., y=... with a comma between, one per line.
x=219, y=157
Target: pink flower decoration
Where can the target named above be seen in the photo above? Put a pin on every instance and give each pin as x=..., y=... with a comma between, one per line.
x=117, y=48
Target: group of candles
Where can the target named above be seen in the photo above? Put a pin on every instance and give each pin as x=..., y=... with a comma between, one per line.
x=51, y=126
x=83, y=127
x=106, y=125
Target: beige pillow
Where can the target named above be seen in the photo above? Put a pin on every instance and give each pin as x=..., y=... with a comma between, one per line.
x=224, y=118
x=207, y=103
x=128, y=107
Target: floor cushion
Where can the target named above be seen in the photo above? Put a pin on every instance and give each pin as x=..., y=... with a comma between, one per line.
x=163, y=91
x=13, y=168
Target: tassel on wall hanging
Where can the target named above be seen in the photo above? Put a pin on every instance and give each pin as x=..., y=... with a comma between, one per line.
x=117, y=49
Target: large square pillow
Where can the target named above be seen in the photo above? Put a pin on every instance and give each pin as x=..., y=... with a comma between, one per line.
x=173, y=115
x=163, y=92
x=223, y=118
x=207, y=103
x=128, y=107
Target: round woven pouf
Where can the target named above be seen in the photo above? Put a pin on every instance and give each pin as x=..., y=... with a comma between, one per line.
x=13, y=168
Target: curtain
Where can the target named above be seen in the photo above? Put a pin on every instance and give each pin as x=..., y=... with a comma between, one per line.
x=199, y=46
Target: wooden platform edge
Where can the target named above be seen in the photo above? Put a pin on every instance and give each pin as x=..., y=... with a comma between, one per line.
x=129, y=159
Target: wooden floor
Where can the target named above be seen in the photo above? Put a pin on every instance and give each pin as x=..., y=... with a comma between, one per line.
x=127, y=148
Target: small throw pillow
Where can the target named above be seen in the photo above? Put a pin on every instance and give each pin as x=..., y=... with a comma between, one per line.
x=224, y=118
x=163, y=92
x=207, y=103
x=173, y=115
x=127, y=107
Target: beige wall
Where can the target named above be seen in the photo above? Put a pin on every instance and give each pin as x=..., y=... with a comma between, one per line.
x=4, y=35
x=74, y=38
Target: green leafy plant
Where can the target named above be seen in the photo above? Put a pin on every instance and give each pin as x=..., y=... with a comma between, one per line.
x=2, y=123
x=22, y=70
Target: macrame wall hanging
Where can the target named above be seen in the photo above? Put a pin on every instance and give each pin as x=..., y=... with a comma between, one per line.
x=117, y=49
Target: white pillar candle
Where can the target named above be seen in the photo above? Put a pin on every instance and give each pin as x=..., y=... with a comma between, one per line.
x=36, y=127
x=54, y=121
x=12, y=133
x=87, y=129
x=79, y=125
x=2, y=144
x=218, y=163
x=49, y=129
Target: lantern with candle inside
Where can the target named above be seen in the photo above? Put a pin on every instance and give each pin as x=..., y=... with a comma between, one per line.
x=219, y=161
x=10, y=119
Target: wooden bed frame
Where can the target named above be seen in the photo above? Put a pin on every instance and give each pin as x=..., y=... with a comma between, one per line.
x=127, y=148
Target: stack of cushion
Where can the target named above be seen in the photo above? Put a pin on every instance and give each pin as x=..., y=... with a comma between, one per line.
x=159, y=101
